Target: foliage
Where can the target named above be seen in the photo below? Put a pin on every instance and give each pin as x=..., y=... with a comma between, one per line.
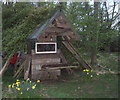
x=89, y=26
x=23, y=20
x=20, y=20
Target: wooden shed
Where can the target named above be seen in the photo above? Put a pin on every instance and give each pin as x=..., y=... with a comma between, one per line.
x=44, y=47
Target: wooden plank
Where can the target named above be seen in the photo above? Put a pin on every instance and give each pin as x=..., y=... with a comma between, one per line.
x=54, y=73
x=41, y=75
x=45, y=61
x=27, y=71
x=47, y=37
x=71, y=48
x=62, y=58
x=66, y=67
x=20, y=73
x=20, y=59
x=74, y=53
x=20, y=68
x=5, y=65
x=80, y=55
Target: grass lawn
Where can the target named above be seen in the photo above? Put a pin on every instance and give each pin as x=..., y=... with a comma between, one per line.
x=77, y=85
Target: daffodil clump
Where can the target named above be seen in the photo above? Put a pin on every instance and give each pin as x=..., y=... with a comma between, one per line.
x=89, y=72
x=23, y=87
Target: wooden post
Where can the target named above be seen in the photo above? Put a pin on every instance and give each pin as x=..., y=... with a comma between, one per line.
x=27, y=67
x=28, y=47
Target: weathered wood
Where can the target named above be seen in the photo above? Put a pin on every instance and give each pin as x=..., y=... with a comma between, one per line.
x=56, y=26
x=41, y=75
x=54, y=73
x=5, y=65
x=46, y=74
x=58, y=65
x=20, y=59
x=71, y=48
x=20, y=73
x=63, y=59
x=45, y=59
x=28, y=47
x=80, y=56
x=64, y=67
x=27, y=67
x=69, y=70
x=75, y=54
x=55, y=29
x=47, y=37
x=19, y=70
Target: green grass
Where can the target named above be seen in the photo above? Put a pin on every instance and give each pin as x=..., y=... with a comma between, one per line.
x=77, y=85
x=108, y=60
x=80, y=85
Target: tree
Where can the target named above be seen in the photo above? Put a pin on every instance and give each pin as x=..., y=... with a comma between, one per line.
x=23, y=20
x=94, y=24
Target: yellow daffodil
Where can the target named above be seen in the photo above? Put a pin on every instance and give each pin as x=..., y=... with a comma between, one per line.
x=18, y=89
x=84, y=70
x=87, y=70
x=21, y=93
x=12, y=86
x=91, y=75
x=9, y=85
x=30, y=81
x=33, y=87
x=17, y=80
x=38, y=81
x=97, y=74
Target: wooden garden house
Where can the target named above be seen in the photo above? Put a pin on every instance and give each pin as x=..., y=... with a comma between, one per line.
x=44, y=48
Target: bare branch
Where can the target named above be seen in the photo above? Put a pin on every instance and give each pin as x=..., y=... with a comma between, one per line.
x=113, y=9
x=106, y=11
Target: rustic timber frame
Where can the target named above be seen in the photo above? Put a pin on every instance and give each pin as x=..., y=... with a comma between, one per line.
x=56, y=30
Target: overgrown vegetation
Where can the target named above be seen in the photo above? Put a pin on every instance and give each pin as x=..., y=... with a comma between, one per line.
x=21, y=19
x=94, y=23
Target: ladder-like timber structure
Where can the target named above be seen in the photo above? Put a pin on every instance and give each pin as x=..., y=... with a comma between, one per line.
x=76, y=54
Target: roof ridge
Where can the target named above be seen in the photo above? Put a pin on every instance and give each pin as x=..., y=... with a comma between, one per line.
x=42, y=26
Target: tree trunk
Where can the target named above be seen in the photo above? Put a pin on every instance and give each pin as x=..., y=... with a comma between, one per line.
x=94, y=37
x=93, y=56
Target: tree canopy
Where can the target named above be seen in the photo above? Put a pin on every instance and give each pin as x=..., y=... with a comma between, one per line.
x=94, y=23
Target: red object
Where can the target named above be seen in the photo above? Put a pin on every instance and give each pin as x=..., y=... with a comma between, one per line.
x=13, y=59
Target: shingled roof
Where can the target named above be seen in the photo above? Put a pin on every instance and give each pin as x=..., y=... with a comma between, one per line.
x=40, y=29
